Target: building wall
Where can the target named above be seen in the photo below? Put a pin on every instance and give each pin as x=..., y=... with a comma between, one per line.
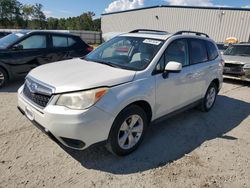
x=217, y=23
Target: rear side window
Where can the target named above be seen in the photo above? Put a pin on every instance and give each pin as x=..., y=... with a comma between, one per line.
x=198, y=51
x=71, y=41
x=62, y=42
x=212, y=51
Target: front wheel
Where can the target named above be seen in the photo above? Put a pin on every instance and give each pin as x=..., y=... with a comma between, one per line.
x=127, y=131
x=210, y=97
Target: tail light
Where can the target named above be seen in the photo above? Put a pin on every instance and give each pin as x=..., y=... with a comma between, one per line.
x=90, y=48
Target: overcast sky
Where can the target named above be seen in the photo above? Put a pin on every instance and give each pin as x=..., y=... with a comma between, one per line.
x=67, y=8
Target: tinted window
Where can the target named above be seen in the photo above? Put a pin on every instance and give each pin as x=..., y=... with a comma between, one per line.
x=71, y=41
x=198, y=51
x=177, y=51
x=59, y=41
x=62, y=42
x=34, y=42
x=212, y=51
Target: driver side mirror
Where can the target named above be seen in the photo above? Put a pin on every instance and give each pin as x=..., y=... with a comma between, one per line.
x=17, y=47
x=172, y=66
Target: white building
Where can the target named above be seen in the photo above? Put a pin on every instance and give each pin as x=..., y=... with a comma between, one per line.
x=218, y=22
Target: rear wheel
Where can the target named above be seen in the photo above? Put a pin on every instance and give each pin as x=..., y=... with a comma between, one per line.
x=210, y=97
x=127, y=131
x=3, y=77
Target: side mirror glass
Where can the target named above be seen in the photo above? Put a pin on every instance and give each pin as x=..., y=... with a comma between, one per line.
x=17, y=47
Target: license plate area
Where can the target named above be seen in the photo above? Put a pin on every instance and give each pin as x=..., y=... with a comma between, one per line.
x=29, y=113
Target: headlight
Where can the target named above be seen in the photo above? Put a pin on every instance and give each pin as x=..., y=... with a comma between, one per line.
x=81, y=100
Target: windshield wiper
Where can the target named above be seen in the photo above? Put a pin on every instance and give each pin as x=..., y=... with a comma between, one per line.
x=107, y=63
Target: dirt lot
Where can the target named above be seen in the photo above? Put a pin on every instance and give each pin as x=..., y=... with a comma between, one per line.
x=193, y=149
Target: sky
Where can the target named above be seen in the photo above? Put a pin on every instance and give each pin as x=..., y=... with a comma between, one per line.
x=67, y=8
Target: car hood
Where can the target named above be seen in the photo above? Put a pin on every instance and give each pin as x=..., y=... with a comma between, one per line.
x=78, y=74
x=236, y=59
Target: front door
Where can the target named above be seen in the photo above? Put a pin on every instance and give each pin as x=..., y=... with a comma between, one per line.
x=31, y=53
x=175, y=91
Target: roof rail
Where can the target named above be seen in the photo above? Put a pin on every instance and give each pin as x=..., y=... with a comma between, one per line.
x=194, y=32
x=150, y=30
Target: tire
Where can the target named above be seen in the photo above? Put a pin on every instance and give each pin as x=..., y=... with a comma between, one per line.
x=3, y=77
x=127, y=134
x=210, y=98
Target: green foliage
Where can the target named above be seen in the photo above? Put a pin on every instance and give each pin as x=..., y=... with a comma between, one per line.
x=15, y=15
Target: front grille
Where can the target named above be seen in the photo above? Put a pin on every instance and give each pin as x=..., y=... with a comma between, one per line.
x=37, y=98
x=233, y=69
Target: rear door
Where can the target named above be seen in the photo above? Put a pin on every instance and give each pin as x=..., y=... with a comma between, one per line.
x=63, y=47
x=204, y=61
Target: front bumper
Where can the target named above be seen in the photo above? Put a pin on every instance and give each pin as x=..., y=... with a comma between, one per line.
x=77, y=129
x=236, y=71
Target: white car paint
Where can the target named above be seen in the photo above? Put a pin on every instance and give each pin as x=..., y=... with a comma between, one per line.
x=93, y=125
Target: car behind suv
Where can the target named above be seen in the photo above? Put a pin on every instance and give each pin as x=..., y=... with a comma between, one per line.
x=118, y=89
x=237, y=62
x=20, y=52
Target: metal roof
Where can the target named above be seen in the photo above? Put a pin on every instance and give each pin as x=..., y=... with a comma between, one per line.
x=175, y=6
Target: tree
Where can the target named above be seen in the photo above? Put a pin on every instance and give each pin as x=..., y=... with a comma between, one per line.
x=13, y=14
x=38, y=19
x=52, y=23
x=27, y=12
x=10, y=15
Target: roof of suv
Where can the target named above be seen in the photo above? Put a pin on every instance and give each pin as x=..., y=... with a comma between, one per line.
x=161, y=35
x=44, y=32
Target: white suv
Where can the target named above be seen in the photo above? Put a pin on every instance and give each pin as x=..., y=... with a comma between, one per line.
x=114, y=93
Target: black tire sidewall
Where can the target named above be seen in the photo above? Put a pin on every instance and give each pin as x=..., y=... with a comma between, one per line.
x=113, y=145
x=5, y=77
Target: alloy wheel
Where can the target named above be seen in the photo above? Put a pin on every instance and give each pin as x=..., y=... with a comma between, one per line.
x=130, y=132
x=211, y=97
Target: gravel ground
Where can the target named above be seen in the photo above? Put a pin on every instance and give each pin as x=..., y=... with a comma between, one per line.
x=192, y=149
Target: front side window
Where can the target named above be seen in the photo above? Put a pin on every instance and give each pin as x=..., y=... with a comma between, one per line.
x=34, y=42
x=238, y=50
x=198, y=51
x=177, y=51
x=133, y=53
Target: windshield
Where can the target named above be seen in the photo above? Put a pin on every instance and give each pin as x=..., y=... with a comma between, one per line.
x=9, y=39
x=131, y=53
x=241, y=50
